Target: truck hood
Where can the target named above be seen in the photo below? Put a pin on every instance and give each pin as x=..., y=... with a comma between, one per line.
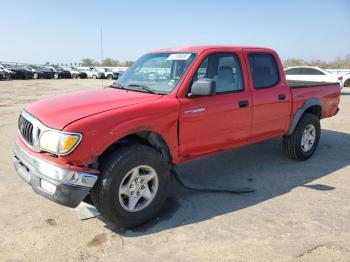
x=57, y=112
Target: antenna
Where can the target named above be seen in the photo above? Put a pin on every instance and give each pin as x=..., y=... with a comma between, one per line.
x=101, y=51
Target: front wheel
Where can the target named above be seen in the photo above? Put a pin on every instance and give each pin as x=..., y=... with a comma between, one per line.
x=302, y=143
x=133, y=185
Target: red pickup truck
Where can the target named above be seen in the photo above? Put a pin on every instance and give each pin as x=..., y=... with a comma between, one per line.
x=117, y=144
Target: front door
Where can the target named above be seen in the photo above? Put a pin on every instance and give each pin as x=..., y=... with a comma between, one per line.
x=221, y=121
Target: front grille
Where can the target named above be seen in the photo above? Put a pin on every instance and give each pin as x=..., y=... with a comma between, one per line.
x=26, y=129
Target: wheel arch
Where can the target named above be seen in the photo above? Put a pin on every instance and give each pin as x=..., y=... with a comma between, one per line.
x=312, y=106
x=149, y=138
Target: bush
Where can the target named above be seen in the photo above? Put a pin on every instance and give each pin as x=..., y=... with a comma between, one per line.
x=338, y=63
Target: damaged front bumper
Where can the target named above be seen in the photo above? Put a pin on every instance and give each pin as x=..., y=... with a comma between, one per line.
x=61, y=185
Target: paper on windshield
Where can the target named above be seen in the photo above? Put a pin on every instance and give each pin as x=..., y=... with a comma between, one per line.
x=181, y=56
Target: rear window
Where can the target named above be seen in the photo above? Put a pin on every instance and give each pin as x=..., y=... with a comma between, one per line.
x=264, y=70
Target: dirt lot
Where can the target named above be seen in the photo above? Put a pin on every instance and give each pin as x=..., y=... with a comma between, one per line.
x=300, y=211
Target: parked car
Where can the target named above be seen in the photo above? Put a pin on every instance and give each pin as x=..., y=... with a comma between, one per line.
x=83, y=75
x=2, y=74
x=20, y=72
x=346, y=79
x=93, y=73
x=61, y=72
x=8, y=73
x=42, y=72
x=109, y=74
x=119, y=143
x=308, y=73
x=73, y=72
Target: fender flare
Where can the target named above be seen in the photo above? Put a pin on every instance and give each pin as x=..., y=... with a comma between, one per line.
x=308, y=103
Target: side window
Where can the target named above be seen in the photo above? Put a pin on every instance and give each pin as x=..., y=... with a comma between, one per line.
x=224, y=69
x=311, y=71
x=264, y=70
x=318, y=72
x=292, y=71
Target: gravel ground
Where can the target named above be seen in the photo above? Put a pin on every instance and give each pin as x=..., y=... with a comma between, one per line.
x=299, y=212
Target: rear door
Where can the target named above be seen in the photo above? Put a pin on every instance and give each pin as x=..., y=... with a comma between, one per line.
x=218, y=122
x=271, y=95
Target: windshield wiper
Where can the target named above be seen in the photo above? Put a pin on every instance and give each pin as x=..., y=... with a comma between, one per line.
x=143, y=87
x=138, y=87
x=117, y=85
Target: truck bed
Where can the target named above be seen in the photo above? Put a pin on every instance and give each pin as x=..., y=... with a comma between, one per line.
x=328, y=93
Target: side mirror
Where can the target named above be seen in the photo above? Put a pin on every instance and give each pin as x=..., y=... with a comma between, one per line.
x=203, y=87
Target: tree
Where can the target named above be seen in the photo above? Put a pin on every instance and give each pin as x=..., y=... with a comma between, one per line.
x=128, y=63
x=88, y=62
x=109, y=62
x=337, y=63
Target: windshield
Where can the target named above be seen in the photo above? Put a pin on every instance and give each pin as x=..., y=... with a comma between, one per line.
x=159, y=72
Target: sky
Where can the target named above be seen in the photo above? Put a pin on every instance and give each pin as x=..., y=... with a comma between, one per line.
x=67, y=31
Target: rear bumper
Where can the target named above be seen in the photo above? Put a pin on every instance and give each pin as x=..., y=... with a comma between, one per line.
x=63, y=186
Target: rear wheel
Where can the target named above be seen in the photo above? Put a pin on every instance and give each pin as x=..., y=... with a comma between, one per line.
x=347, y=83
x=302, y=143
x=133, y=185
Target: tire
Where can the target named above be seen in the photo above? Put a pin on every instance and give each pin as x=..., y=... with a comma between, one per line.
x=294, y=146
x=110, y=77
x=107, y=193
x=347, y=83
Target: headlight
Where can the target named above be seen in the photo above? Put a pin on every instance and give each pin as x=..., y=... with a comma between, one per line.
x=57, y=142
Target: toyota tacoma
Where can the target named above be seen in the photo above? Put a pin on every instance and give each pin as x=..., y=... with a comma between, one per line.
x=117, y=145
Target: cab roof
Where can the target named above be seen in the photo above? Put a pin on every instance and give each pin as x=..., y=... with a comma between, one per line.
x=200, y=49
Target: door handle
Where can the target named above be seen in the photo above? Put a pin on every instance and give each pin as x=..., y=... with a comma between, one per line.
x=282, y=96
x=243, y=103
